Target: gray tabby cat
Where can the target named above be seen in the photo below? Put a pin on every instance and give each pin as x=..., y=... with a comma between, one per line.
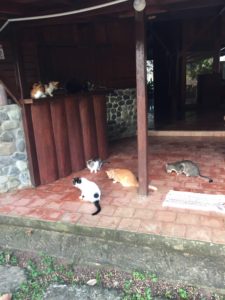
x=94, y=165
x=187, y=167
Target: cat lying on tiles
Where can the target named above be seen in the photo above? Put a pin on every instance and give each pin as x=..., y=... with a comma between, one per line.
x=126, y=178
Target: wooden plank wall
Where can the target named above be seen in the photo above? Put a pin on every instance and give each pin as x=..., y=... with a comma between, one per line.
x=103, y=53
x=63, y=133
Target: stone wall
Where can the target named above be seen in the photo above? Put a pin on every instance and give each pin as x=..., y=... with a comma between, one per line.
x=121, y=113
x=14, y=171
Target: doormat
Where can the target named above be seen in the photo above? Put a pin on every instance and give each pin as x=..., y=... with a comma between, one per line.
x=196, y=201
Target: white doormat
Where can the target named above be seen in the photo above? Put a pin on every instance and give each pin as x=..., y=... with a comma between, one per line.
x=197, y=201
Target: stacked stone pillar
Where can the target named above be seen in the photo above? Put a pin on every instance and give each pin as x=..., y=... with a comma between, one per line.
x=14, y=172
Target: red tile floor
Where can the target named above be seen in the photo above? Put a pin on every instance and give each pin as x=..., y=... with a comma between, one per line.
x=122, y=208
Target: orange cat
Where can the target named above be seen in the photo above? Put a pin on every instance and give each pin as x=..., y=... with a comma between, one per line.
x=38, y=91
x=125, y=177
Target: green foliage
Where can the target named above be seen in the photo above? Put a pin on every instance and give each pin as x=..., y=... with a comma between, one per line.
x=183, y=293
x=154, y=277
x=132, y=292
x=148, y=294
x=138, y=276
x=39, y=277
x=201, y=66
x=8, y=258
x=42, y=272
x=98, y=277
x=127, y=285
x=143, y=276
x=168, y=295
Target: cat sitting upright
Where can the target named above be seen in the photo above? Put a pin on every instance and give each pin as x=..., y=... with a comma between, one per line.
x=187, y=167
x=51, y=87
x=94, y=165
x=89, y=191
x=125, y=177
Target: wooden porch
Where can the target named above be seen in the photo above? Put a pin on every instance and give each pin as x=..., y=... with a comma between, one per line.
x=109, y=46
x=122, y=208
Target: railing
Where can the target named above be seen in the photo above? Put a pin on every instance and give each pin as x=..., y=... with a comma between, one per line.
x=9, y=93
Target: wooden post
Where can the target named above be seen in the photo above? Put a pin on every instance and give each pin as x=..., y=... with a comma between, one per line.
x=217, y=46
x=18, y=62
x=141, y=93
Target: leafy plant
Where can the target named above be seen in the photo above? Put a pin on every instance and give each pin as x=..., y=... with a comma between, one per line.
x=201, y=66
x=183, y=293
x=148, y=294
x=138, y=276
x=143, y=276
x=127, y=285
x=8, y=258
x=168, y=294
x=154, y=277
x=98, y=277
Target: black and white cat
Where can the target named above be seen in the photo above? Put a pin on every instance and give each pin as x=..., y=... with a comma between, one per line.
x=89, y=191
x=94, y=165
x=187, y=167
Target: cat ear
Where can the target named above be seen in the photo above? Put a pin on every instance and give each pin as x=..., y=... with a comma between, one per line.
x=76, y=180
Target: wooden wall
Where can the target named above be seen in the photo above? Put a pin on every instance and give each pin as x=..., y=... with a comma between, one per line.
x=100, y=52
x=62, y=134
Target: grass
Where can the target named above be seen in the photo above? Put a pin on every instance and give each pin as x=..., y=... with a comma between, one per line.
x=44, y=270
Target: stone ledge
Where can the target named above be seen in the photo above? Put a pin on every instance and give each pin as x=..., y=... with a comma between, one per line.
x=191, y=262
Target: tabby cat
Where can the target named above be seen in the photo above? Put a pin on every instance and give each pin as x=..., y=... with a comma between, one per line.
x=187, y=167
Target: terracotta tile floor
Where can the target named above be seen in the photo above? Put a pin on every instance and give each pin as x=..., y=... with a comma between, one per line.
x=122, y=208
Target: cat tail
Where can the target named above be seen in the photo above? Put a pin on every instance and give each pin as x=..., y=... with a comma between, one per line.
x=152, y=187
x=96, y=203
x=210, y=179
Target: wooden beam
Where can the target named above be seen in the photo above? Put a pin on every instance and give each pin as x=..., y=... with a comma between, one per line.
x=11, y=9
x=141, y=92
x=181, y=7
x=217, y=45
x=18, y=62
x=10, y=94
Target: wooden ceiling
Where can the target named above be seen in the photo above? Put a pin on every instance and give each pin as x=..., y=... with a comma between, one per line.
x=10, y=9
